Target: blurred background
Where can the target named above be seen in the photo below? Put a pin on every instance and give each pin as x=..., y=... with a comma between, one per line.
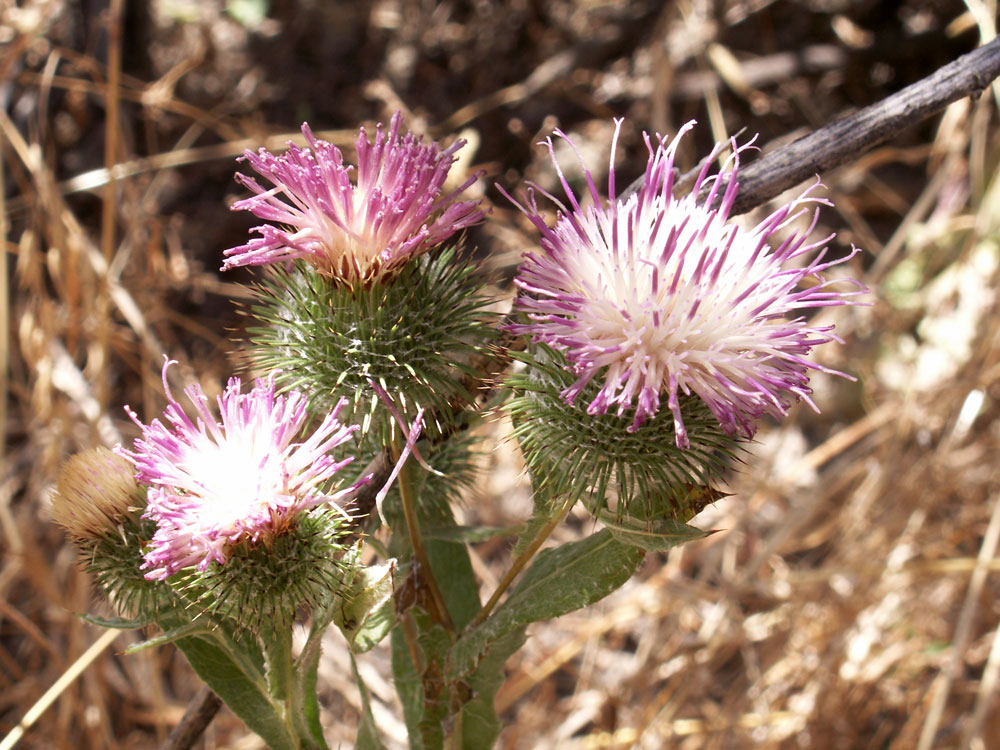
x=848, y=599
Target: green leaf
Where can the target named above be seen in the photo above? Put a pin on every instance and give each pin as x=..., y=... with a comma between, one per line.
x=375, y=628
x=470, y=534
x=449, y=560
x=480, y=724
x=367, y=615
x=429, y=702
x=561, y=579
x=307, y=664
x=453, y=570
x=541, y=516
x=198, y=627
x=407, y=681
x=114, y=623
x=309, y=701
x=368, y=738
x=230, y=668
x=426, y=703
x=651, y=536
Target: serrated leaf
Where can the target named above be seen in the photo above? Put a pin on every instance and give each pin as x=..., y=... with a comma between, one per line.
x=471, y=534
x=453, y=570
x=309, y=700
x=480, y=724
x=449, y=560
x=407, y=682
x=423, y=695
x=561, y=579
x=234, y=678
x=307, y=664
x=375, y=629
x=542, y=515
x=429, y=702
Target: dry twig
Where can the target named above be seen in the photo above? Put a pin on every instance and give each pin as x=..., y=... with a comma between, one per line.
x=848, y=137
x=200, y=712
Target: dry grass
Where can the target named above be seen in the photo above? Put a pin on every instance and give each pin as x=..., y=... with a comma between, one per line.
x=849, y=599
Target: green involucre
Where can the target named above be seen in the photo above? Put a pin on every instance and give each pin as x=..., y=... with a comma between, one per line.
x=115, y=561
x=414, y=336
x=262, y=585
x=594, y=458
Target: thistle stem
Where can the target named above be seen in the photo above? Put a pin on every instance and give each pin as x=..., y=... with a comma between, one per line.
x=285, y=683
x=425, y=571
x=520, y=562
x=277, y=647
x=453, y=738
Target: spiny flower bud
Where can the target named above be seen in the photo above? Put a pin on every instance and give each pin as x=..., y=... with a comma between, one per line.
x=96, y=492
x=99, y=503
x=414, y=336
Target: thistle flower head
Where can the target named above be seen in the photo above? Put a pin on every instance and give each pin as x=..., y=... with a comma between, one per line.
x=659, y=295
x=95, y=493
x=246, y=478
x=353, y=232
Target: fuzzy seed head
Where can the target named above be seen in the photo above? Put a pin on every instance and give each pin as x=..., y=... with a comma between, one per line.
x=95, y=493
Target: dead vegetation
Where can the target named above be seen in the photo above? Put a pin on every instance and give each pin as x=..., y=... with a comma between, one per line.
x=849, y=599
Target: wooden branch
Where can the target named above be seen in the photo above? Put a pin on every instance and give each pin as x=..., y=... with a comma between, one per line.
x=847, y=138
x=200, y=712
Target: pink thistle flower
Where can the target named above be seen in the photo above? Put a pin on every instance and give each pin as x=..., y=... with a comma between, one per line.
x=216, y=484
x=656, y=294
x=353, y=232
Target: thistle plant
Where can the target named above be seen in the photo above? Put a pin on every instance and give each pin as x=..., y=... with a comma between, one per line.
x=656, y=332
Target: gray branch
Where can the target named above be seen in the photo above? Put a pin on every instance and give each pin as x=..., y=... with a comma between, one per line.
x=200, y=712
x=847, y=138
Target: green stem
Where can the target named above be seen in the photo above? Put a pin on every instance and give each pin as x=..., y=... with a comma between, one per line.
x=306, y=704
x=283, y=683
x=412, y=646
x=278, y=653
x=518, y=565
x=453, y=737
x=439, y=609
